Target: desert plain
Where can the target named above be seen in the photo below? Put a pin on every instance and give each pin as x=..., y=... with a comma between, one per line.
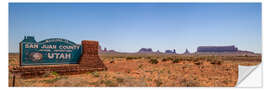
x=147, y=70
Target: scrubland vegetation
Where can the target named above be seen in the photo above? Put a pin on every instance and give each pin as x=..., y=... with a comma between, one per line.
x=143, y=70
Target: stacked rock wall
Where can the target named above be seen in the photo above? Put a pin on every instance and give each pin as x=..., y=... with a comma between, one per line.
x=90, y=56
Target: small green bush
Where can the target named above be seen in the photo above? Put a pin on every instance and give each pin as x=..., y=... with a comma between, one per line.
x=197, y=63
x=120, y=80
x=164, y=60
x=176, y=60
x=140, y=66
x=217, y=62
x=170, y=58
x=148, y=57
x=129, y=58
x=54, y=79
x=95, y=74
x=109, y=83
x=54, y=73
x=153, y=61
x=190, y=83
x=112, y=61
x=158, y=82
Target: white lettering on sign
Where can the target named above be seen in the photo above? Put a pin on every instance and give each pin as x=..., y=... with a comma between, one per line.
x=31, y=45
x=59, y=55
x=69, y=47
x=49, y=46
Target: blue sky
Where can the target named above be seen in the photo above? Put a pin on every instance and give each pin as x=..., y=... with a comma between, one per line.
x=127, y=27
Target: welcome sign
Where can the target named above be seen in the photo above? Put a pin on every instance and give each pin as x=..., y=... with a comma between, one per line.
x=49, y=51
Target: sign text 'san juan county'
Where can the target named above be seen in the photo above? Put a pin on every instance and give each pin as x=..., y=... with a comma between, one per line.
x=49, y=51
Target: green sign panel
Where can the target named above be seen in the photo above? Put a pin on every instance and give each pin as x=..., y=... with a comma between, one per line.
x=49, y=51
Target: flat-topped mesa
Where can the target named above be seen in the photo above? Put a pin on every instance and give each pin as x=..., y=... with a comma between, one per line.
x=217, y=49
x=145, y=50
x=170, y=51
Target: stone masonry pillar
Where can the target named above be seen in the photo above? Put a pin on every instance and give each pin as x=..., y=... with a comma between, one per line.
x=90, y=56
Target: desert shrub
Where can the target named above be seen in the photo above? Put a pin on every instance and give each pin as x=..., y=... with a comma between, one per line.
x=94, y=83
x=149, y=71
x=169, y=72
x=140, y=66
x=196, y=59
x=149, y=79
x=31, y=82
x=112, y=61
x=184, y=67
x=153, y=61
x=190, y=83
x=197, y=63
x=54, y=73
x=217, y=62
x=189, y=59
x=226, y=81
x=176, y=60
x=209, y=59
x=133, y=57
x=158, y=82
x=119, y=57
x=120, y=80
x=128, y=71
x=129, y=58
x=138, y=57
x=165, y=59
x=95, y=74
x=46, y=74
x=148, y=57
x=54, y=79
x=161, y=71
x=170, y=58
x=108, y=83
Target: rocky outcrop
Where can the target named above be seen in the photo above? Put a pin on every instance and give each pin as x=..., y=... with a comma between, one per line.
x=170, y=51
x=217, y=49
x=145, y=50
x=186, y=52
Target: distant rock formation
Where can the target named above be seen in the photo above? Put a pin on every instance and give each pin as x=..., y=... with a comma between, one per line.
x=112, y=51
x=158, y=51
x=105, y=50
x=186, y=52
x=223, y=50
x=99, y=48
x=145, y=50
x=170, y=51
x=217, y=49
